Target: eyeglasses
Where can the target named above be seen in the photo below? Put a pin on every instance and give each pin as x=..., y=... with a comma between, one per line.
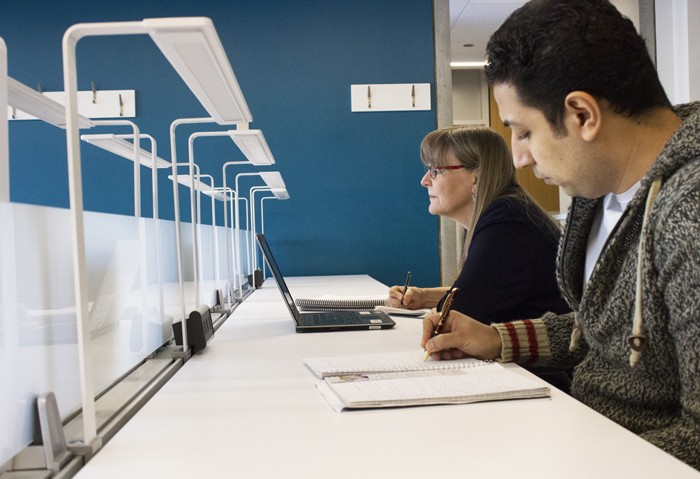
x=437, y=170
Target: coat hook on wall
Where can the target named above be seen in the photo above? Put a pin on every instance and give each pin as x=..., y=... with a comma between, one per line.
x=376, y=97
x=121, y=105
x=94, y=92
x=14, y=113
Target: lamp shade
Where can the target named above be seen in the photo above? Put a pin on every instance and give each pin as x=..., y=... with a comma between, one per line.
x=280, y=193
x=273, y=179
x=186, y=180
x=34, y=103
x=253, y=145
x=124, y=149
x=193, y=48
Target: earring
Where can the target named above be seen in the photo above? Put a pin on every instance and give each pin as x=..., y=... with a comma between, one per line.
x=473, y=197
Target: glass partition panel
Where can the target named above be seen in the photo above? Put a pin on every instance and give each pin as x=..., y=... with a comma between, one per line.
x=39, y=333
x=133, y=299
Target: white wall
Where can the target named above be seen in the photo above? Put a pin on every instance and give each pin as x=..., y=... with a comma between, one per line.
x=629, y=8
x=678, y=48
x=470, y=96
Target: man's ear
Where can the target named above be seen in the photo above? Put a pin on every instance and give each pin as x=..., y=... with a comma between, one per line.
x=582, y=113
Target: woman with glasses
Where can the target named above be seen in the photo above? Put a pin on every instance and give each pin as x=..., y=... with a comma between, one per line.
x=510, y=243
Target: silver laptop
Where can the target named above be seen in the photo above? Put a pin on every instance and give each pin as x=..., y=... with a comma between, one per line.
x=325, y=320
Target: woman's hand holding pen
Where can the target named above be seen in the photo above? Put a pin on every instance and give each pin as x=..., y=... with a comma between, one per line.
x=416, y=298
x=460, y=336
x=410, y=300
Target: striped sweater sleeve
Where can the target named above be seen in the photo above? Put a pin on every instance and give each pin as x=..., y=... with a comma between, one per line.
x=543, y=341
x=524, y=341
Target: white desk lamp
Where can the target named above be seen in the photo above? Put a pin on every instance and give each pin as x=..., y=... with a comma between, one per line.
x=229, y=209
x=13, y=93
x=40, y=106
x=199, y=187
x=274, y=184
x=134, y=155
x=228, y=218
x=195, y=51
x=278, y=194
x=8, y=272
x=118, y=145
x=257, y=276
x=133, y=152
x=253, y=145
x=20, y=97
x=215, y=194
x=273, y=180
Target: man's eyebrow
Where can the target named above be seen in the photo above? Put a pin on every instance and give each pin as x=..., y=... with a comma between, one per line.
x=509, y=123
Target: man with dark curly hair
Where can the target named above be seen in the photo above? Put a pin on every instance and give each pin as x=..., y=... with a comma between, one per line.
x=574, y=81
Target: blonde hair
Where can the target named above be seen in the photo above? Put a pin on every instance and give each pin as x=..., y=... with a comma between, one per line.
x=483, y=151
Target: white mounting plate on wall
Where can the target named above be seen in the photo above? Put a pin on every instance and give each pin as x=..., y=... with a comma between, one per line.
x=106, y=104
x=390, y=97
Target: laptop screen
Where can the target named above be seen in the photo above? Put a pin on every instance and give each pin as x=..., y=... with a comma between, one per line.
x=277, y=274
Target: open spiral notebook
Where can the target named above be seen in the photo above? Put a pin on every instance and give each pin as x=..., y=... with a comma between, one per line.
x=335, y=303
x=404, y=379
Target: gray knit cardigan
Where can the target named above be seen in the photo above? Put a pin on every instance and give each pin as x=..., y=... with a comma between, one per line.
x=659, y=398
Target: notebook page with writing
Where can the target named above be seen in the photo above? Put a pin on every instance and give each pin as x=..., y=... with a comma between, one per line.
x=492, y=382
x=383, y=362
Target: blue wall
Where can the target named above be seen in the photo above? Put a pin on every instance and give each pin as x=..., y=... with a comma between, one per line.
x=356, y=203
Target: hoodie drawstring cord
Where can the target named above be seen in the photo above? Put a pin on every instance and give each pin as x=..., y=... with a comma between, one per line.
x=638, y=341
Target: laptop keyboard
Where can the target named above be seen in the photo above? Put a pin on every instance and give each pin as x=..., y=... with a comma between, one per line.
x=312, y=319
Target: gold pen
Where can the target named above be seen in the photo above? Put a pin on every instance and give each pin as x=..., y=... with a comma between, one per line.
x=405, y=286
x=443, y=316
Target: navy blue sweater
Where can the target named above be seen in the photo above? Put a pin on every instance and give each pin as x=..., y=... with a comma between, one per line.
x=509, y=273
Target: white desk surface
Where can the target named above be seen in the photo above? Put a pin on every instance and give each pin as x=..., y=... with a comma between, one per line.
x=247, y=407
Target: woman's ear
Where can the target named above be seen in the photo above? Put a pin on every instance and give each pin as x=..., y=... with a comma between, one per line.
x=582, y=115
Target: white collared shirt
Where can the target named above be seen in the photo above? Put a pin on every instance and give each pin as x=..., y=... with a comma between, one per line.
x=607, y=214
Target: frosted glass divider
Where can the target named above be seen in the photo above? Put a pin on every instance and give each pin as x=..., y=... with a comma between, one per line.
x=210, y=62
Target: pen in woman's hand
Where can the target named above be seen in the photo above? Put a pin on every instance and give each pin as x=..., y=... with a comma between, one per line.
x=405, y=286
x=443, y=316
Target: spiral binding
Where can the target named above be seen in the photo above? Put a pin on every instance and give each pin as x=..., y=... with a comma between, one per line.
x=426, y=366
x=338, y=304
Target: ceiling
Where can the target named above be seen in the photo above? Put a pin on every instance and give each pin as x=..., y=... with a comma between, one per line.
x=473, y=22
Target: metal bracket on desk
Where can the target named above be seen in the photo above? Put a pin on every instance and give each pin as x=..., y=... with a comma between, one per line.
x=86, y=450
x=50, y=450
x=175, y=352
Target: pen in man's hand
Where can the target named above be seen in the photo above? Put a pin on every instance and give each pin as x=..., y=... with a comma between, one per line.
x=405, y=286
x=443, y=316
